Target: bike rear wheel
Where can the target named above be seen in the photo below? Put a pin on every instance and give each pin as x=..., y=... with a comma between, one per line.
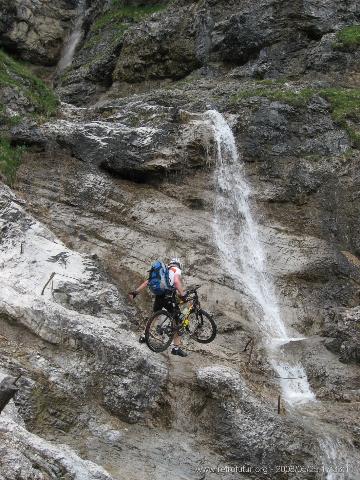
x=159, y=331
x=202, y=327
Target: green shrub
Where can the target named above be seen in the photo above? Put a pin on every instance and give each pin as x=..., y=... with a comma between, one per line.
x=10, y=160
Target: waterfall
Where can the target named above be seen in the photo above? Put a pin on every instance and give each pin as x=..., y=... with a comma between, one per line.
x=340, y=460
x=238, y=239
x=73, y=39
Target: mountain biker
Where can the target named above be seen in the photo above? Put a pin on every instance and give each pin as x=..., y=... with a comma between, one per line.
x=164, y=301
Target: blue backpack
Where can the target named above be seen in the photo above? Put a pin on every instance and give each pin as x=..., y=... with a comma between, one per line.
x=158, y=281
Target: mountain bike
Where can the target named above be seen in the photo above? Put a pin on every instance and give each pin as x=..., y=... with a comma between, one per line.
x=194, y=321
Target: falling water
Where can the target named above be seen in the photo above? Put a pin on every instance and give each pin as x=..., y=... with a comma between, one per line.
x=340, y=460
x=239, y=242
x=73, y=40
x=238, y=239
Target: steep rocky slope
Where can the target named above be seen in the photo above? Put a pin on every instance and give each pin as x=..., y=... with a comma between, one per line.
x=125, y=174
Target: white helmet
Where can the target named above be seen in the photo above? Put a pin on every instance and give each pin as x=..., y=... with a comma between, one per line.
x=176, y=261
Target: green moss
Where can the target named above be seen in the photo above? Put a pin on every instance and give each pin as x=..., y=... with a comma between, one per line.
x=16, y=75
x=7, y=121
x=296, y=98
x=348, y=36
x=345, y=109
x=10, y=160
x=118, y=20
x=117, y=34
x=121, y=17
x=272, y=81
x=345, y=103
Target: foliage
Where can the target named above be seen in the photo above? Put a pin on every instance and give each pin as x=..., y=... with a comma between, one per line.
x=10, y=160
x=345, y=104
x=349, y=36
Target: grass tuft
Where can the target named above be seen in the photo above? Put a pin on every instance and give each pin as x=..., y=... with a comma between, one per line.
x=345, y=106
x=297, y=98
x=349, y=36
x=10, y=160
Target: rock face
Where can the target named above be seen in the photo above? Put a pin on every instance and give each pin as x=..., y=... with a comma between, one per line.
x=343, y=329
x=63, y=312
x=243, y=436
x=35, y=30
x=169, y=52
x=121, y=222
x=29, y=457
x=105, y=28
x=129, y=140
x=127, y=176
x=275, y=39
x=270, y=40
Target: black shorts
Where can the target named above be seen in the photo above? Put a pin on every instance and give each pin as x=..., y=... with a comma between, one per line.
x=167, y=302
x=163, y=301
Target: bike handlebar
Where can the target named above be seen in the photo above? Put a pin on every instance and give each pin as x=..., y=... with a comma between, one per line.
x=193, y=289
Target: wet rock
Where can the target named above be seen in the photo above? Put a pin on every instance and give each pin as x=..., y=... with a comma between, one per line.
x=133, y=143
x=105, y=27
x=90, y=72
x=248, y=430
x=269, y=40
x=7, y=391
x=328, y=376
x=79, y=91
x=326, y=56
x=35, y=30
x=277, y=129
x=241, y=36
x=290, y=40
x=342, y=326
x=296, y=154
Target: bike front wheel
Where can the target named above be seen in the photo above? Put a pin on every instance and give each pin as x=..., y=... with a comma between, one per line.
x=202, y=327
x=159, y=331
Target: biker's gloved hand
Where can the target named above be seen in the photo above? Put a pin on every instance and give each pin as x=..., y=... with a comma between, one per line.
x=133, y=294
x=184, y=297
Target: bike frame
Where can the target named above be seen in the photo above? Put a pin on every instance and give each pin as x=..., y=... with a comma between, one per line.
x=194, y=305
x=179, y=325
